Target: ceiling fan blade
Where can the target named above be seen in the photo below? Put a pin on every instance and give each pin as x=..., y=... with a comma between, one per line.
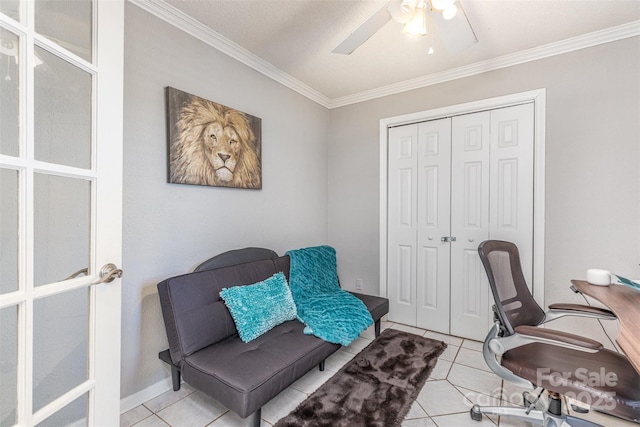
x=364, y=31
x=455, y=34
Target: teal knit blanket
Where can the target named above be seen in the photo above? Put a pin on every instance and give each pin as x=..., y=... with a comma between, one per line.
x=327, y=311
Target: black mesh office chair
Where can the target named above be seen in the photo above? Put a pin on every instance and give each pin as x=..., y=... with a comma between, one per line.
x=519, y=351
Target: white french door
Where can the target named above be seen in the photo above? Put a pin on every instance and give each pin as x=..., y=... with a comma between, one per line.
x=61, y=80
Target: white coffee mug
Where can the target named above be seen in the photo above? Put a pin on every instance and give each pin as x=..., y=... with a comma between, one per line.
x=600, y=277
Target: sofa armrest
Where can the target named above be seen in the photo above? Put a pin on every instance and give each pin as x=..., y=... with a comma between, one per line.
x=377, y=306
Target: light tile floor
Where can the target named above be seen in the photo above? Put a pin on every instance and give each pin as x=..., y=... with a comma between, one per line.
x=460, y=379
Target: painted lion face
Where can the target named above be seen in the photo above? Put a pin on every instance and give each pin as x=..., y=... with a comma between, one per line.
x=221, y=146
x=214, y=145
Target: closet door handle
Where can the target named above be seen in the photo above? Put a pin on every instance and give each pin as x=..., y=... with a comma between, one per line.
x=448, y=239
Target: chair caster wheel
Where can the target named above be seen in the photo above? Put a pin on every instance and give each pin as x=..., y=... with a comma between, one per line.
x=475, y=413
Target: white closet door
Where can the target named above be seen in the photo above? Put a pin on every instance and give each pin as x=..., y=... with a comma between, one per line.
x=402, y=223
x=434, y=222
x=511, y=184
x=469, y=224
x=469, y=177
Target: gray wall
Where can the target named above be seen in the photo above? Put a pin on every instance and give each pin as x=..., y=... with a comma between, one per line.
x=321, y=172
x=169, y=228
x=592, y=158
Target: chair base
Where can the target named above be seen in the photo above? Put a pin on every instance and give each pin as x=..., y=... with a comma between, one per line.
x=535, y=416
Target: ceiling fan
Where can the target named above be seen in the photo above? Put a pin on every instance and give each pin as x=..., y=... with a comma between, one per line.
x=420, y=17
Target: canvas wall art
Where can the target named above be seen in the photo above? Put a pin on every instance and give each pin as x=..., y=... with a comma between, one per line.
x=212, y=144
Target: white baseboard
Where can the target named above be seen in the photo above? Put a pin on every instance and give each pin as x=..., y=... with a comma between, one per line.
x=137, y=399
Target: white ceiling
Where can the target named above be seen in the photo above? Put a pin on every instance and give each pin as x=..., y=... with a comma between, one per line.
x=297, y=36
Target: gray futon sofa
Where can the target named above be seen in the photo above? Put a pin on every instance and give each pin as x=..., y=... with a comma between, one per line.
x=204, y=346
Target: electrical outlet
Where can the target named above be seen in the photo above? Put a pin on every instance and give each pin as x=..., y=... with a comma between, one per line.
x=358, y=284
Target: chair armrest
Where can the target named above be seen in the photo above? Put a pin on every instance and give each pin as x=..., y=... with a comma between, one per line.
x=582, y=308
x=559, y=310
x=562, y=337
x=525, y=335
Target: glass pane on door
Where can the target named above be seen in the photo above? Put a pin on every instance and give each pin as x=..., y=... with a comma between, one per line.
x=60, y=344
x=68, y=23
x=62, y=112
x=11, y=8
x=9, y=98
x=8, y=230
x=62, y=227
x=74, y=414
x=8, y=365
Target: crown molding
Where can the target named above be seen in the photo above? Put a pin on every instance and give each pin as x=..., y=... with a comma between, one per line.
x=608, y=35
x=195, y=28
x=191, y=26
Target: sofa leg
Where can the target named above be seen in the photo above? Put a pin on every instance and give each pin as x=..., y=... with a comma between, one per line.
x=175, y=377
x=253, y=420
x=321, y=366
x=175, y=370
x=377, y=328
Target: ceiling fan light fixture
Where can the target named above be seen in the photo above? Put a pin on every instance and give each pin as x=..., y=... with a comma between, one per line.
x=450, y=12
x=418, y=24
x=402, y=12
x=442, y=4
x=408, y=6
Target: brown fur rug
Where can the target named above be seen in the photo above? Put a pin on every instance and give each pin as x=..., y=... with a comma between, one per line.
x=376, y=388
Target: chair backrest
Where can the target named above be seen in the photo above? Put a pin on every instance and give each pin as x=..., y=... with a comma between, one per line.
x=514, y=303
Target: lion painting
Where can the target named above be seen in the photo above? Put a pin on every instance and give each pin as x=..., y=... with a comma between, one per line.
x=211, y=144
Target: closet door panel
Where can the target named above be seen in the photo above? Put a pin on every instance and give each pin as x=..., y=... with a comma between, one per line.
x=402, y=224
x=470, y=170
x=434, y=222
x=511, y=185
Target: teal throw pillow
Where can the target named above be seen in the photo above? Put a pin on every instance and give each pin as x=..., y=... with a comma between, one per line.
x=258, y=308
